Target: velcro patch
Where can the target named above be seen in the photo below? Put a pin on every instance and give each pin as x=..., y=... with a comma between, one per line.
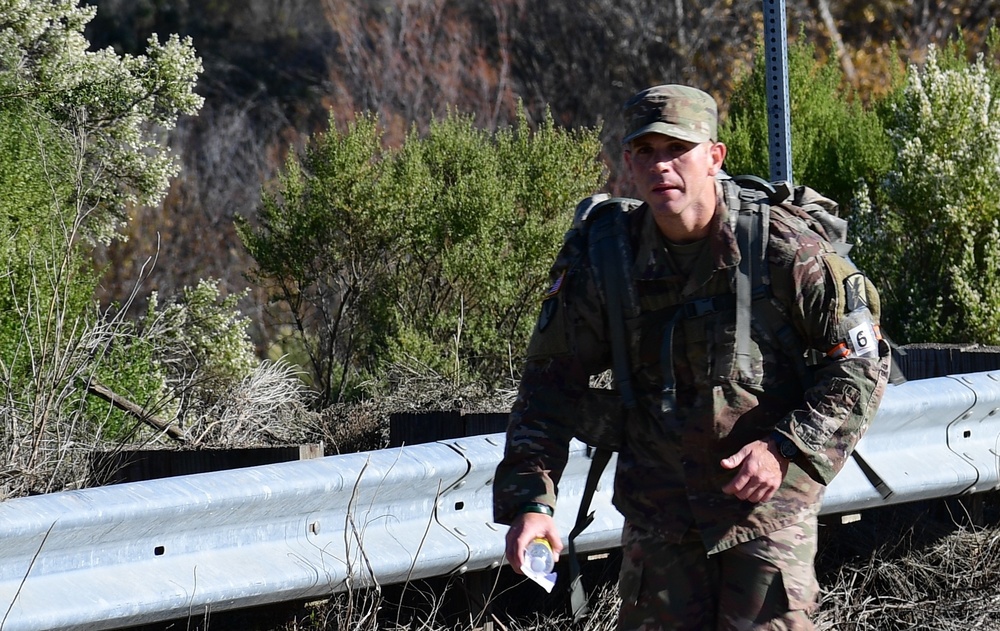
x=856, y=292
x=556, y=286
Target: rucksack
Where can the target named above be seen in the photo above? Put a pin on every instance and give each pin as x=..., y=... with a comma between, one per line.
x=604, y=220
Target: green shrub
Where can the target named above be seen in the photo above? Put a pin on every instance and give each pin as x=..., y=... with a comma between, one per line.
x=201, y=340
x=835, y=141
x=433, y=252
x=915, y=173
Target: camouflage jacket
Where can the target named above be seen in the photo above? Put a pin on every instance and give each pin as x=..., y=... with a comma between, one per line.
x=669, y=478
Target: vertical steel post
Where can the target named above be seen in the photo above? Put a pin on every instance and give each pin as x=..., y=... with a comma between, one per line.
x=779, y=127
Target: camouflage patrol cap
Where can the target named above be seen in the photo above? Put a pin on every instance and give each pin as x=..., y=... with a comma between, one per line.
x=677, y=111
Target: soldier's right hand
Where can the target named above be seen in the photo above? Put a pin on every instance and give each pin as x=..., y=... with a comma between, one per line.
x=523, y=530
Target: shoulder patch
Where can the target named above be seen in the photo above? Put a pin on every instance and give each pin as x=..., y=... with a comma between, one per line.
x=556, y=286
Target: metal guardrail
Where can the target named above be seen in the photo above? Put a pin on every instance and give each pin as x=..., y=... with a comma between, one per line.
x=931, y=438
x=144, y=552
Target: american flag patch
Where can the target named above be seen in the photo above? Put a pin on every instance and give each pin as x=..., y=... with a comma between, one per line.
x=554, y=289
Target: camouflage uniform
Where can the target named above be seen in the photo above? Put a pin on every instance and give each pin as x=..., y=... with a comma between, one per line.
x=669, y=480
x=767, y=583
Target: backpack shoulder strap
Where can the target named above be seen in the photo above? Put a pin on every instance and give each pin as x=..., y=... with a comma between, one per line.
x=752, y=220
x=579, y=607
x=605, y=221
x=611, y=259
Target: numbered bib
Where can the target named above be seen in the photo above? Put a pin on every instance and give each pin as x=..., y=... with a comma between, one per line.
x=861, y=336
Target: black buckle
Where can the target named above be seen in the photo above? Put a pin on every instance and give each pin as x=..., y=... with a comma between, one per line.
x=700, y=307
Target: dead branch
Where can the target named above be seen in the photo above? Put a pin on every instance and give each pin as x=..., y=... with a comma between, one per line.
x=100, y=390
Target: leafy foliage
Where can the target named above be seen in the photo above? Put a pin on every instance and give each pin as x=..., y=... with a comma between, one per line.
x=430, y=253
x=835, y=141
x=274, y=70
x=916, y=171
x=937, y=204
x=101, y=103
x=202, y=335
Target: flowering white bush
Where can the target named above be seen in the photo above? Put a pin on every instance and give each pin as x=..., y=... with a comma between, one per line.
x=107, y=107
x=202, y=336
x=932, y=234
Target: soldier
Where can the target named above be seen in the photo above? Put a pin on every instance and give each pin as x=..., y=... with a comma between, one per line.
x=723, y=459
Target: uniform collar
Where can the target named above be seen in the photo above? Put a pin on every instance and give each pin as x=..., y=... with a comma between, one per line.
x=721, y=251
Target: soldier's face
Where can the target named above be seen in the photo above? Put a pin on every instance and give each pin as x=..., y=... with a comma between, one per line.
x=677, y=179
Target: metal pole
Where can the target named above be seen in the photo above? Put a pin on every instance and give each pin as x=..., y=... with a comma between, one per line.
x=779, y=127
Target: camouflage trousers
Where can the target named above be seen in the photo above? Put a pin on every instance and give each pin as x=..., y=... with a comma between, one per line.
x=768, y=584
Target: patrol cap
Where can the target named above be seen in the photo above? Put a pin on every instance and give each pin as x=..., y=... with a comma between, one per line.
x=677, y=111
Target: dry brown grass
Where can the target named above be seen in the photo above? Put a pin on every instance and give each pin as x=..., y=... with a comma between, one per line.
x=938, y=573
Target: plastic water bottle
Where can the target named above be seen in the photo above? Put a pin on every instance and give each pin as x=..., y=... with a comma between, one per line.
x=538, y=556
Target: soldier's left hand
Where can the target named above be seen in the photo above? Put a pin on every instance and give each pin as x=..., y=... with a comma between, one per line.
x=759, y=471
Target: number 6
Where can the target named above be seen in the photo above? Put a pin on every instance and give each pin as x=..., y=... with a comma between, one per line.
x=861, y=339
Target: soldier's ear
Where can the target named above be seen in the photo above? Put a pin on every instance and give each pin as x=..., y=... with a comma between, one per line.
x=718, y=154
